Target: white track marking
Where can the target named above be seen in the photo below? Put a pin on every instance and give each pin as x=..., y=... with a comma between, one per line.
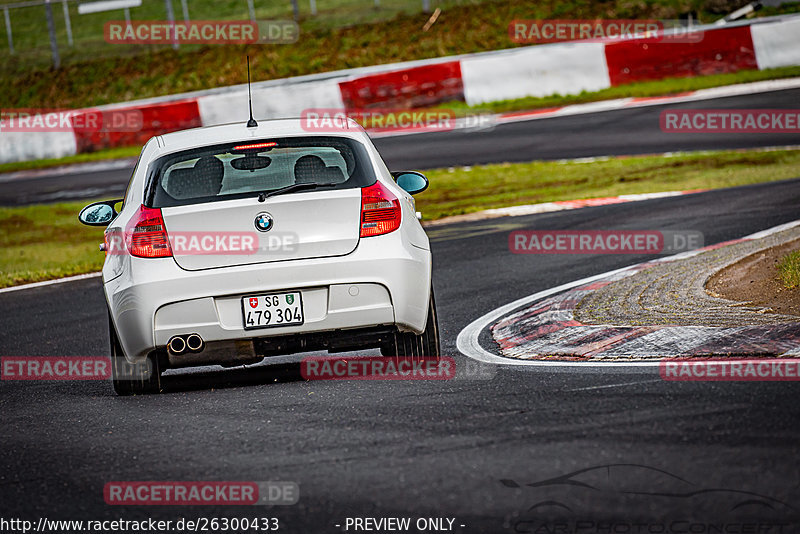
x=73, y=168
x=467, y=341
x=548, y=207
x=615, y=385
x=51, y=282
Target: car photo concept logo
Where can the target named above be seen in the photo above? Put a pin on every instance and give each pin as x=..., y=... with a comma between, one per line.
x=559, y=504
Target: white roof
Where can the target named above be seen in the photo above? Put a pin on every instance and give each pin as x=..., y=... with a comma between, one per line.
x=235, y=132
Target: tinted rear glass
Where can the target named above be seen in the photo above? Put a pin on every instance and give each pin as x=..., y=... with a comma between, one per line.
x=245, y=169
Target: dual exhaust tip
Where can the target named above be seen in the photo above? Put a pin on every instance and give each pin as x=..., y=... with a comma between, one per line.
x=185, y=343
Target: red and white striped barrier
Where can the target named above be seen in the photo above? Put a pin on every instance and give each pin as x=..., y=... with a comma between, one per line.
x=562, y=68
x=777, y=44
x=288, y=100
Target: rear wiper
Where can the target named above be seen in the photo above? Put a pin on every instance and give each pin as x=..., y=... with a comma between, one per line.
x=264, y=195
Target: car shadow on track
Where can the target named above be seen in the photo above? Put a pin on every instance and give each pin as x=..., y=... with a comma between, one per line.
x=216, y=378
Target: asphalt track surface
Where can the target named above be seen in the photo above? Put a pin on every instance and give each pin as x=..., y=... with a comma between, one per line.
x=689, y=453
x=618, y=132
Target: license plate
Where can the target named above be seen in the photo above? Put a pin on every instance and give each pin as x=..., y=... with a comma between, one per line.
x=275, y=309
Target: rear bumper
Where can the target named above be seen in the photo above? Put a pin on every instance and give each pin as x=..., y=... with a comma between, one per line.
x=384, y=282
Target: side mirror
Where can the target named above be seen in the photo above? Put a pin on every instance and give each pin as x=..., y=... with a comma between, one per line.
x=412, y=181
x=99, y=213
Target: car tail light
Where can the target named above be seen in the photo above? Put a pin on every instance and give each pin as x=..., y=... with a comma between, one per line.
x=380, y=211
x=146, y=234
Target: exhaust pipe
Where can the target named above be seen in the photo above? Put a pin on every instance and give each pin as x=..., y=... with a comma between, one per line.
x=176, y=345
x=194, y=343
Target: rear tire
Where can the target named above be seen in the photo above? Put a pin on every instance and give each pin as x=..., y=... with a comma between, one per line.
x=132, y=379
x=426, y=344
x=430, y=337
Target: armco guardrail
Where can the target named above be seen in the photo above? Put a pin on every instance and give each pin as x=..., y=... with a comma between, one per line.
x=565, y=68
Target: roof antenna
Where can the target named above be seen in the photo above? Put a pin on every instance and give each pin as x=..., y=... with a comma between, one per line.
x=252, y=122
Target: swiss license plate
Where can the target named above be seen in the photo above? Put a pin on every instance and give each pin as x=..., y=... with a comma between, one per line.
x=275, y=309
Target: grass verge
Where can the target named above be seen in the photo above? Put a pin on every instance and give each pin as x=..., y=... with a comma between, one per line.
x=467, y=189
x=789, y=270
x=42, y=242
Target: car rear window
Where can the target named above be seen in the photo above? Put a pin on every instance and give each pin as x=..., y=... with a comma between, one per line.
x=245, y=169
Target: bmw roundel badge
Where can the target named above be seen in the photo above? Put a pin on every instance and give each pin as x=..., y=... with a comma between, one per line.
x=263, y=222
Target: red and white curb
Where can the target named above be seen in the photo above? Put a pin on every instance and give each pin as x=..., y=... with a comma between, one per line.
x=550, y=311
